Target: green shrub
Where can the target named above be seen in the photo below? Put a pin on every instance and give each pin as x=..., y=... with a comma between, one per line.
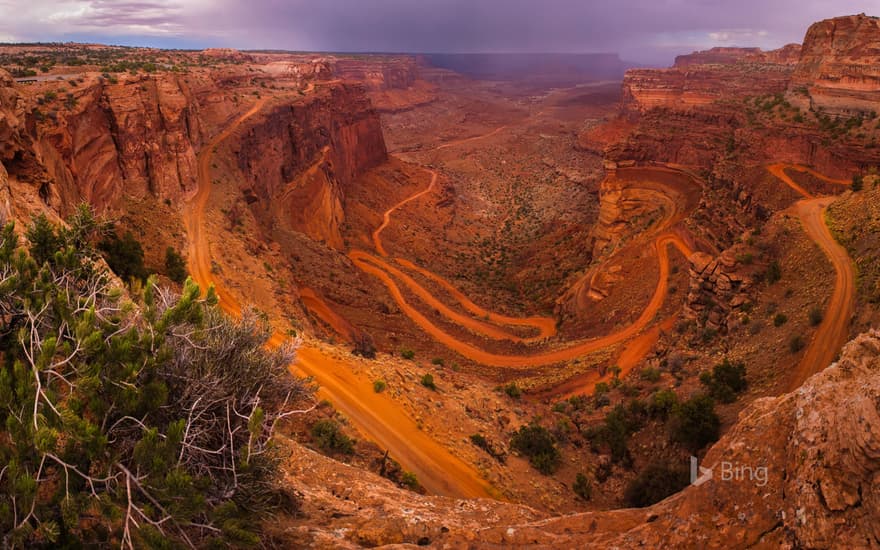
x=773, y=273
x=816, y=316
x=407, y=354
x=655, y=483
x=410, y=481
x=379, y=386
x=330, y=439
x=480, y=441
x=125, y=256
x=536, y=443
x=621, y=422
x=582, y=487
x=175, y=265
x=857, y=183
x=132, y=407
x=437, y=361
x=725, y=381
x=662, y=403
x=780, y=319
x=43, y=239
x=513, y=391
x=650, y=374
x=428, y=381
x=694, y=423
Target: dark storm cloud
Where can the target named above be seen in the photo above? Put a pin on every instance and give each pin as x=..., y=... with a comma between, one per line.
x=642, y=30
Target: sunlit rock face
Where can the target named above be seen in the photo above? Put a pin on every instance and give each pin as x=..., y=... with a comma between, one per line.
x=839, y=69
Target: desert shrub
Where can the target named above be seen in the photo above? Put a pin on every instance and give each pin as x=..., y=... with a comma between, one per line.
x=438, y=361
x=858, y=183
x=621, y=422
x=330, y=439
x=816, y=316
x=650, y=374
x=655, y=483
x=780, y=319
x=694, y=422
x=428, y=381
x=124, y=255
x=131, y=421
x=661, y=403
x=513, y=391
x=407, y=354
x=410, y=481
x=582, y=487
x=536, y=443
x=796, y=343
x=480, y=441
x=725, y=381
x=175, y=265
x=379, y=386
x=773, y=273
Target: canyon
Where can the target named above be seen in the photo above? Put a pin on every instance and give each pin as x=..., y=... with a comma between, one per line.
x=507, y=244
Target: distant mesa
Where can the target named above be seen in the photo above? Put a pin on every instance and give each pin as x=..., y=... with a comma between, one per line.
x=558, y=68
x=227, y=53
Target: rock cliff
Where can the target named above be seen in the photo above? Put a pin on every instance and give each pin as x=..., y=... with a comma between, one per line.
x=137, y=137
x=393, y=83
x=839, y=68
x=298, y=159
x=689, y=85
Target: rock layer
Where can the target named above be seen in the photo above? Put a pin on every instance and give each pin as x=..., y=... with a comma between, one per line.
x=297, y=160
x=839, y=69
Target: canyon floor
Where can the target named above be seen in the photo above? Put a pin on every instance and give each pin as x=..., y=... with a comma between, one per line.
x=526, y=307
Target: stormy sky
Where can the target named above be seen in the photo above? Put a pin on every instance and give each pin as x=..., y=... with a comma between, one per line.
x=643, y=31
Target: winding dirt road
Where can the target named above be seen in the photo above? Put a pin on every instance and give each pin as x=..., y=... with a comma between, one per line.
x=833, y=332
x=384, y=271
x=375, y=415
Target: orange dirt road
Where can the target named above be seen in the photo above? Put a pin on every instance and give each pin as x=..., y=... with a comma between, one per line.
x=377, y=416
x=381, y=270
x=833, y=332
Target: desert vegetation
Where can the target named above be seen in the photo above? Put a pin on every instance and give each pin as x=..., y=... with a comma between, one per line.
x=130, y=419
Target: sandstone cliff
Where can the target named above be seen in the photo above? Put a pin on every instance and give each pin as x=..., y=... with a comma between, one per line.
x=298, y=160
x=839, y=69
x=393, y=83
x=136, y=137
x=786, y=55
x=689, y=86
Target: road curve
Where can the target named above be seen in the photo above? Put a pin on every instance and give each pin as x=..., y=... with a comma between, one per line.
x=375, y=415
x=381, y=269
x=833, y=332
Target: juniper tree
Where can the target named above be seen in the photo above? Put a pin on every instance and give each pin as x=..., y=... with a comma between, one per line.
x=134, y=421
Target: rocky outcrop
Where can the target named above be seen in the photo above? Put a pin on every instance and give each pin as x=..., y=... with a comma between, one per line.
x=801, y=470
x=135, y=137
x=717, y=289
x=839, y=69
x=393, y=83
x=299, y=159
x=691, y=86
x=787, y=55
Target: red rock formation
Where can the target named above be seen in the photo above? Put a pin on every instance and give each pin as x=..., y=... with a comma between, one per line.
x=393, y=83
x=137, y=137
x=839, y=69
x=786, y=55
x=692, y=86
x=299, y=159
